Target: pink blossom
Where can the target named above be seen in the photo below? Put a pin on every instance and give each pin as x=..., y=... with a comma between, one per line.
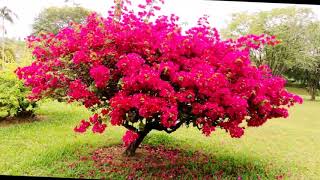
x=129, y=137
x=100, y=74
x=82, y=127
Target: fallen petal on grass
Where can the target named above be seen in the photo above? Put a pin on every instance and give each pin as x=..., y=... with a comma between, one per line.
x=151, y=161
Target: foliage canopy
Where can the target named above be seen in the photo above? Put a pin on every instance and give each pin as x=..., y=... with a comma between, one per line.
x=53, y=19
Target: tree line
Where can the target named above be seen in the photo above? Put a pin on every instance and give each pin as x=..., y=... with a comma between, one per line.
x=297, y=56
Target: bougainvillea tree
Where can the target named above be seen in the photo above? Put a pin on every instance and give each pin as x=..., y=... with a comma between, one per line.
x=143, y=72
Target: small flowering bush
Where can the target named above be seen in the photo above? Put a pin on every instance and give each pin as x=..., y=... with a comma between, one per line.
x=150, y=75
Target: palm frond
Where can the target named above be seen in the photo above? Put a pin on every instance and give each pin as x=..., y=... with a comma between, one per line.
x=7, y=14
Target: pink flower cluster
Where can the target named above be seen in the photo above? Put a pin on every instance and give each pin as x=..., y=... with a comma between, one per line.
x=78, y=91
x=100, y=74
x=129, y=137
x=147, y=106
x=41, y=78
x=98, y=127
x=152, y=72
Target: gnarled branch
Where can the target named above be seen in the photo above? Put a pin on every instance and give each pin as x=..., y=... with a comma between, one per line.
x=130, y=127
x=173, y=129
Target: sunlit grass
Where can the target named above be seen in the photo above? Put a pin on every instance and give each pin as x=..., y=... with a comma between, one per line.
x=282, y=146
x=297, y=90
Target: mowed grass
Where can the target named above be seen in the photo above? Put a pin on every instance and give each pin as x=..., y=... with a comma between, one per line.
x=288, y=148
x=297, y=90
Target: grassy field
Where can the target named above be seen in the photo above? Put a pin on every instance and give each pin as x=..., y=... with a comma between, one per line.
x=300, y=91
x=288, y=148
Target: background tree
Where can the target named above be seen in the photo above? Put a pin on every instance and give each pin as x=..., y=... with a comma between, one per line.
x=9, y=55
x=287, y=24
x=6, y=14
x=18, y=47
x=16, y=53
x=53, y=19
x=295, y=56
x=307, y=67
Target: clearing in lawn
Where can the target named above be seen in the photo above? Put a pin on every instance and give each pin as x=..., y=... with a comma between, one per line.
x=282, y=148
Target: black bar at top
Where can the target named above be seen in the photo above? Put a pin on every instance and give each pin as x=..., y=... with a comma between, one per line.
x=317, y=2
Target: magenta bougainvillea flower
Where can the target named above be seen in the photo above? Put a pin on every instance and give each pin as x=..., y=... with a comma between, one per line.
x=146, y=73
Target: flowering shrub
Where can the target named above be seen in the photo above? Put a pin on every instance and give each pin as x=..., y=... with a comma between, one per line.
x=149, y=75
x=13, y=101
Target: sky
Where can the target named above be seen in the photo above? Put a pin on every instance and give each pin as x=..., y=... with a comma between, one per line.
x=188, y=10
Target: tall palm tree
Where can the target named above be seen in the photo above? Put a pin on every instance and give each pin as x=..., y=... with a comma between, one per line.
x=5, y=15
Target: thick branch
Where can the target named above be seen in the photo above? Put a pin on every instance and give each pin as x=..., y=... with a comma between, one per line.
x=157, y=126
x=131, y=149
x=173, y=129
x=130, y=127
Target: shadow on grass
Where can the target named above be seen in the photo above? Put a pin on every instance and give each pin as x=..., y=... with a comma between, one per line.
x=161, y=156
x=226, y=165
x=9, y=121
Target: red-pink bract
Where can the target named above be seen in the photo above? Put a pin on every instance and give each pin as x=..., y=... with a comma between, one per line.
x=129, y=137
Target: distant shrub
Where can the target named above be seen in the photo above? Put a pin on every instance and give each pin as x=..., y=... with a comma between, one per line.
x=13, y=101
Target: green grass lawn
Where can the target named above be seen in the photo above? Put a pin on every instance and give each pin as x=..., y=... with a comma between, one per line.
x=289, y=147
x=300, y=91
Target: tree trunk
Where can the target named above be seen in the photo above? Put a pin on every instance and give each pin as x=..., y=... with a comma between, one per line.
x=313, y=96
x=131, y=149
x=313, y=93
